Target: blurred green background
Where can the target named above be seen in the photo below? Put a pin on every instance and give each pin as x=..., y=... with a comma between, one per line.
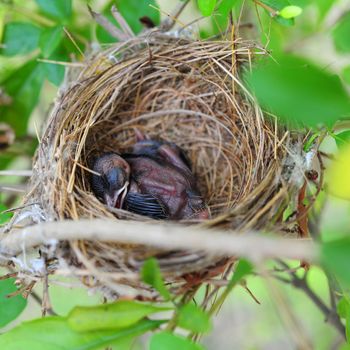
x=33, y=33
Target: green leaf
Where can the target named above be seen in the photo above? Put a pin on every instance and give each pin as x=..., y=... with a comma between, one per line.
x=243, y=268
x=10, y=308
x=20, y=38
x=346, y=74
x=335, y=256
x=24, y=87
x=299, y=91
x=287, y=22
x=50, y=38
x=4, y=217
x=226, y=6
x=273, y=7
x=343, y=138
x=151, y=274
x=206, y=7
x=310, y=141
x=53, y=333
x=323, y=7
x=290, y=12
x=169, y=341
x=54, y=72
x=276, y=5
x=343, y=308
x=341, y=34
x=58, y=9
x=120, y=314
x=220, y=18
x=193, y=318
x=133, y=10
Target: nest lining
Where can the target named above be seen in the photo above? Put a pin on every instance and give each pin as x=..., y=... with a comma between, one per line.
x=178, y=90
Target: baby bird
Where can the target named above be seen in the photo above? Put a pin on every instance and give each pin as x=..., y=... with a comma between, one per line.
x=154, y=180
x=110, y=179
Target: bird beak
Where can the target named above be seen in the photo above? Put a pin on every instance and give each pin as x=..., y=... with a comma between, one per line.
x=117, y=200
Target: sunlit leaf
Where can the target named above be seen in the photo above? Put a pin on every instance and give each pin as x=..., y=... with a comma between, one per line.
x=24, y=87
x=53, y=333
x=50, y=39
x=299, y=91
x=206, y=7
x=58, y=9
x=193, y=318
x=343, y=138
x=151, y=275
x=335, y=255
x=12, y=307
x=120, y=314
x=346, y=74
x=339, y=175
x=341, y=34
x=290, y=12
x=169, y=341
x=20, y=38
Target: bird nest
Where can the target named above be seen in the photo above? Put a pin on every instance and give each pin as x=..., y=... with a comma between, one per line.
x=248, y=167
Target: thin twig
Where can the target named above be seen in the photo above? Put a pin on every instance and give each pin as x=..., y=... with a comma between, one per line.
x=108, y=26
x=301, y=283
x=169, y=22
x=122, y=22
x=26, y=173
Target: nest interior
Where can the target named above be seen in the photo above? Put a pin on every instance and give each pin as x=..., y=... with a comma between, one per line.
x=179, y=90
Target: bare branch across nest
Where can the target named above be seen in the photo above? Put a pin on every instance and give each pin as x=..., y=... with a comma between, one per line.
x=253, y=246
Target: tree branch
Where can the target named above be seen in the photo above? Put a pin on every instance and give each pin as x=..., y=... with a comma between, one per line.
x=330, y=313
x=252, y=245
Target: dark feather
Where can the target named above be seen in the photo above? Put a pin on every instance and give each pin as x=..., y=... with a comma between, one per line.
x=146, y=205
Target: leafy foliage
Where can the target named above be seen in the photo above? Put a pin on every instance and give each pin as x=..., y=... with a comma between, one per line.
x=59, y=10
x=121, y=314
x=335, y=256
x=341, y=34
x=24, y=87
x=206, y=6
x=299, y=91
x=193, y=318
x=54, y=333
x=169, y=341
x=11, y=307
x=133, y=10
x=151, y=275
x=20, y=38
